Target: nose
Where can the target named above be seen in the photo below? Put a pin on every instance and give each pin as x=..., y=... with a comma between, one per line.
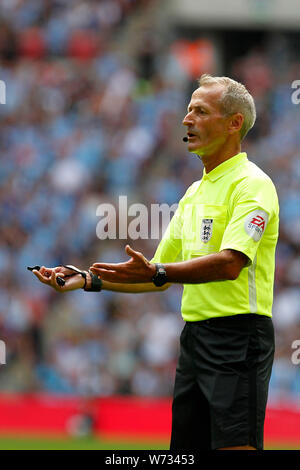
x=187, y=120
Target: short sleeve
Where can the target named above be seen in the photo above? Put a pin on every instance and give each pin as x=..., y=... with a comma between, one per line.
x=252, y=207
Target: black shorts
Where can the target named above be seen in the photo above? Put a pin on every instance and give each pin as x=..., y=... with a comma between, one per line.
x=221, y=385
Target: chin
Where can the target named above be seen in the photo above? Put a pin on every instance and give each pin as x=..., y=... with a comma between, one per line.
x=195, y=149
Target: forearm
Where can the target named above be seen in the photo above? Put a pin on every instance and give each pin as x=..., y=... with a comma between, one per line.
x=133, y=288
x=215, y=267
x=138, y=288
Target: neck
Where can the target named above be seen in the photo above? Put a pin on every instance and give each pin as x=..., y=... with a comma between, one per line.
x=212, y=160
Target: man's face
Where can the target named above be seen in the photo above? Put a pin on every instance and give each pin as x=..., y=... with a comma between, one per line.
x=206, y=125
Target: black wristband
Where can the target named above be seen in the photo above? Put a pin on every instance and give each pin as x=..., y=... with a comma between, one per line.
x=96, y=284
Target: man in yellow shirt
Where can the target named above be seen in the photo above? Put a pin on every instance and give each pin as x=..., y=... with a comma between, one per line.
x=220, y=245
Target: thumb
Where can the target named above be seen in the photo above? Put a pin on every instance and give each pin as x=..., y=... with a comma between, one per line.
x=131, y=252
x=137, y=255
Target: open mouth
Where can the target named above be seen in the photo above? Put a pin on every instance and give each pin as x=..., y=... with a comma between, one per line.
x=191, y=135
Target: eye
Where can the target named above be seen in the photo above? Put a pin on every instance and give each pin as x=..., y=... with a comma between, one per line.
x=197, y=110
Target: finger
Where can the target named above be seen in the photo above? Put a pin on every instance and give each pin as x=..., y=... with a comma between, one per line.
x=40, y=276
x=62, y=270
x=107, y=265
x=46, y=272
x=42, y=270
x=53, y=279
x=110, y=275
x=94, y=270
x=59, y=272
x=59, y=269
x=98, y=270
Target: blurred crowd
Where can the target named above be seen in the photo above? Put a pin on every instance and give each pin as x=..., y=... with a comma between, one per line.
x=87, y=120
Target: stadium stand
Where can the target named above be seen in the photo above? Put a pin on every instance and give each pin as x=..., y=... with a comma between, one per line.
x=92, y=114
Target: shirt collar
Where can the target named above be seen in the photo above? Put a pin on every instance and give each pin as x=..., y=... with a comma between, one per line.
x=224, y=167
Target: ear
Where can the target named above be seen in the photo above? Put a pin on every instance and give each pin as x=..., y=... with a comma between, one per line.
x=235, y=123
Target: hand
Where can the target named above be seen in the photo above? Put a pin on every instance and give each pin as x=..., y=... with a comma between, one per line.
x=49, y=275
x=137, y=269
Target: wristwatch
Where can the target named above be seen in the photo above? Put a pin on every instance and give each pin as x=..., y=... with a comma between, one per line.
x=160, y=277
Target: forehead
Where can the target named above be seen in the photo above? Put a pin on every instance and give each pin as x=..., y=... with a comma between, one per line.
x=207, y=95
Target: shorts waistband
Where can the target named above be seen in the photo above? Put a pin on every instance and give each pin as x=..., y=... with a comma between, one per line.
x=238, y=319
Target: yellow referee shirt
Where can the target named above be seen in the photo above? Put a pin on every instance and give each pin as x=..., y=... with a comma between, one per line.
x=235, y=206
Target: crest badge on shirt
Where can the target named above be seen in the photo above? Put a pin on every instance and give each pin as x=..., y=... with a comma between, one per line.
x=206, y=230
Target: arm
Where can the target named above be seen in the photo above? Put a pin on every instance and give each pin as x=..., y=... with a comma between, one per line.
x=135, y=275
x=222, y=266
x=225, y=265
x=48, y=276
x=133, y=288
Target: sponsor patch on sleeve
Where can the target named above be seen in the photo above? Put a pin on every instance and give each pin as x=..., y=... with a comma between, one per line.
x=256, y=223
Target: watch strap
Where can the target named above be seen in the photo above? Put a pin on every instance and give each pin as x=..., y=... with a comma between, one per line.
x=96, y=283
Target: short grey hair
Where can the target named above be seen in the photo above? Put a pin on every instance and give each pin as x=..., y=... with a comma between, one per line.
x=235, y=99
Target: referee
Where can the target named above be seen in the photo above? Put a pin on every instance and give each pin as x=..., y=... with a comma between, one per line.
x=220, y=245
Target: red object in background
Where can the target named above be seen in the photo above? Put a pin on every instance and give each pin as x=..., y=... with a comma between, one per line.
x=120, y=417
x=282, y=424
x=82, y=45
x=143, y=417
x=31, y=43
x=195, y=57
